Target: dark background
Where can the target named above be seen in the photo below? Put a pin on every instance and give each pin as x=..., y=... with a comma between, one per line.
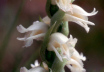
x=15, y=12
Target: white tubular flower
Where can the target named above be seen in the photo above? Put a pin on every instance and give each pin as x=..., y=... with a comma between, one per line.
x=36, y=31
x=80, y=16
x=64, y=5
x=61, y=45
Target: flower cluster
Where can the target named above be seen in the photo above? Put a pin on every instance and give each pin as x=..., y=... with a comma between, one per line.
x=36, y=31
x=61, y=45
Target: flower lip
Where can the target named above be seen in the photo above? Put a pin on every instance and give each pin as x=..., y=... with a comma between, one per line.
x=36, y=31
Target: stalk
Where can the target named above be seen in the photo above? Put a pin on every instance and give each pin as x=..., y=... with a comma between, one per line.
x=58, y=66
x=65, y=28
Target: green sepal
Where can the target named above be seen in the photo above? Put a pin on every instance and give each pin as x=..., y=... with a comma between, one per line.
x=40, y=19
x=57, y=16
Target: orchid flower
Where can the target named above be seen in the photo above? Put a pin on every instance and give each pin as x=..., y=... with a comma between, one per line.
x=36, y=31
x=80, y=16
x=64, y=48
x=75, y=13
x=59, y=43
x=35, y=68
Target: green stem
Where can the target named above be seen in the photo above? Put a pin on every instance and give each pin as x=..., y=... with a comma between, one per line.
x=54, y=26
x=58, y=66
x=44, y=45
x=57, y=16
x=57, y=24
x=65, y=28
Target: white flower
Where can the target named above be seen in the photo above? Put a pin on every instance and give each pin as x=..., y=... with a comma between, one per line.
x=64, y=48
x=61, y=45
x=36, y=31
x=64, y=5
x=35, y=68
x=80, y=16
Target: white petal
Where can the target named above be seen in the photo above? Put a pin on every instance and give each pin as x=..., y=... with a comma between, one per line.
x=65, y=5
x=21, y=39
x=71, y=42
x=82, y=57
x=66, y=53
x=76, y=67
x=46, y=20
x=32, y=65
x=75, y=19
x=37, y=69
x=28, y=43
x=21, y=29
x=45, y=66
x=57, y=54
x=36, y=63
x=76, y=56
x=79, y=21
x=84, y=25
x=79, y=10
x=38, y=37
x=37, y=26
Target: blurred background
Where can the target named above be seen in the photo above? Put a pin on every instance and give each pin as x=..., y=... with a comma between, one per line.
x=25, y=12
